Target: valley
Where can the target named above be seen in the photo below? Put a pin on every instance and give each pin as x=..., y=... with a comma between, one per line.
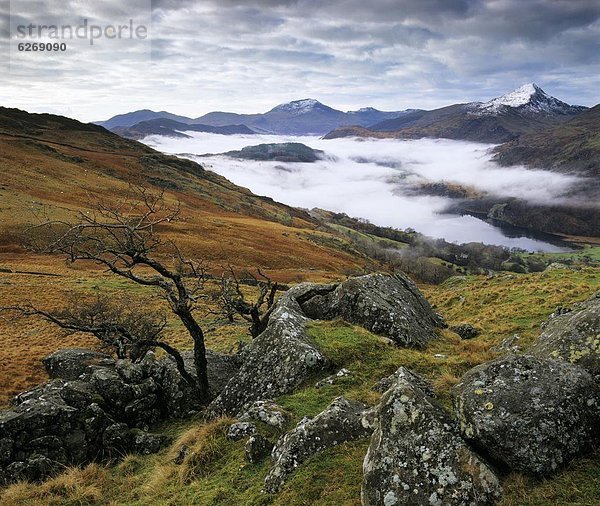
x=500, y=253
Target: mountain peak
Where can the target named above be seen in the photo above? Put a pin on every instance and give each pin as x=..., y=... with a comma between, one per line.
x=516, y=98
x=301, y=106
x=527, y=98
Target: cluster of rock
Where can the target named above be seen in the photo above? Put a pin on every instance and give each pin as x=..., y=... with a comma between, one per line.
x=283, y=356
x=530, y=413
x=94, y=408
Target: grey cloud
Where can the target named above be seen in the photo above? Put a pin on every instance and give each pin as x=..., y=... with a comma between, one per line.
x=249, y=55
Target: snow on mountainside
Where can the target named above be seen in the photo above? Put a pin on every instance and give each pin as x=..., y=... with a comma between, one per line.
x=302, y=106
x=528, y=98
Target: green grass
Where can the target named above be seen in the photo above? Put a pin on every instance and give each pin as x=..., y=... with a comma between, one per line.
x=217, y=473
x=591, y=252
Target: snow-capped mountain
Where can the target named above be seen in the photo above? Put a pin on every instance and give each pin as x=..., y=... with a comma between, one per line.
x=529, y=98
x=524, y=110
x=304, y=106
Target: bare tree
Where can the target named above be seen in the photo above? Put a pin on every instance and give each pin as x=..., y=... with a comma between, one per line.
x=123, y=237
x=121, y=325
x=257, y=312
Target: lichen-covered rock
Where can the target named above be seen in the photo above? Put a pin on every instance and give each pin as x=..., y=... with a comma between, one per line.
x=70, y=363
x=257, y=448
x=240, y=430
x=265, y=411
x=573, y=336
x=343, y=420
x=276, y=362
x=417, y=456
x=384, y=384
x=391, y=306
x=465, y=331
x=530, y=413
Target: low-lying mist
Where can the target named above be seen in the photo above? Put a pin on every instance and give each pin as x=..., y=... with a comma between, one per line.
x=376, y=180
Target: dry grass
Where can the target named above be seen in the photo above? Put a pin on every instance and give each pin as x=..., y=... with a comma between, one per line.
x=75, y=486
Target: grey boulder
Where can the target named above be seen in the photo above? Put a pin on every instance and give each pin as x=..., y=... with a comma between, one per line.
x=391, y=306
x=573, y=336
x=529, y=413
x=417, y=456
x=343, y=420
x=257, y=448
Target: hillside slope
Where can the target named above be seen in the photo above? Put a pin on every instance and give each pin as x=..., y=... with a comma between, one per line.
x=54, y=161
x=571, y=147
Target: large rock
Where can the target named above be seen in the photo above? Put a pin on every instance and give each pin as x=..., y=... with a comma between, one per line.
x=344, y=420
x=96, y=408
x=531, y=414
x=70, y=363
x=391, y=306
x=257, y=448
x=276, y=362
x=417, y=456
x=573, y=336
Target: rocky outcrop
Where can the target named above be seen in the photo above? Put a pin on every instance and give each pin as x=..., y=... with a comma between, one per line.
x=66, y=423
x=529, y=413
x=417, y=456
x=573, y=335
x=276, y=362
x=283, y=356
x=94, y=408
x=391, y=306
x=70, y=363
x=344, y=420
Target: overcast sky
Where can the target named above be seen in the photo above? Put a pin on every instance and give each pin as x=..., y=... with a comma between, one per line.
x=248, y=56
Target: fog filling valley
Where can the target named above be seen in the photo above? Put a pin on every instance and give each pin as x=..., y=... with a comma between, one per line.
x=375, y=179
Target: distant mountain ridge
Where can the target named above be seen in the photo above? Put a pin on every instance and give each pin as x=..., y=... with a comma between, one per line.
x=528, y=109
x=299, y=117
x=171, y=128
